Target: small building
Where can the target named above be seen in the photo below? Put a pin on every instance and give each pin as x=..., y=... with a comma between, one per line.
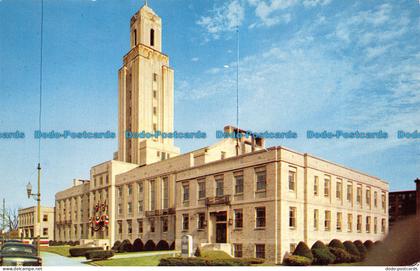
x=28, y=227
x=403, y=204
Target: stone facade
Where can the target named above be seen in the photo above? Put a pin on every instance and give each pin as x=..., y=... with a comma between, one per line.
x=28, y=227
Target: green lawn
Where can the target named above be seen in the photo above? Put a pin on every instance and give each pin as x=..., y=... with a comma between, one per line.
x=138, y=261
x=60, y=250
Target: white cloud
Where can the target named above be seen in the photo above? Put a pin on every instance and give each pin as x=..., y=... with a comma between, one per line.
x=267, y=11
x=314, y=3
x=195, y=59
x=223, y=19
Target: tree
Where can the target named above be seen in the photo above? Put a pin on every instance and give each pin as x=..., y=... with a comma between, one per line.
x=12, y=219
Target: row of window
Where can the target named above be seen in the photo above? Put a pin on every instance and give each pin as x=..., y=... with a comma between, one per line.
x=259, y=251
x=140, y=225
x=339, y=190
x=260, y=185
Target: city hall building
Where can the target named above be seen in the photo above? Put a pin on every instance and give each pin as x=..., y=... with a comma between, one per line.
x=236, y=195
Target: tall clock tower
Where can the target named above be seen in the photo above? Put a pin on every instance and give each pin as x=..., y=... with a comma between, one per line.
x=146, y=91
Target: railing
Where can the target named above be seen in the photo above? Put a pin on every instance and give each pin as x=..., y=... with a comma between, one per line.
x=218, y=200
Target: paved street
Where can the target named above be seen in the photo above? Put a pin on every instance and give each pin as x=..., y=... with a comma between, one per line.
x=51, y=259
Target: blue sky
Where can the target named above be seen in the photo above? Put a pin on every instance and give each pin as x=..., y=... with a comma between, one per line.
x=310, y=64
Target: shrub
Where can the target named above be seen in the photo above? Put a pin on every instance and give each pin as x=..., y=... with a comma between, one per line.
x=77, y=243
x=172, y=246
x=199, y=261
x=150, y=246
x=337, y=244
x=52, y=243
x=341, y=255
x=59, y=243
x=303, y=250
x=138, y=245
x=126, y=246
x=368, y=244
x=361, y=248
x=319, y=245
x=322, y=256
x=96, y=255
x=352, y=250
x=162, y=245
x=295, y=260
x=197, y=252
x=116, y=246
x=253, y=260
x=70, y=243
x=81, y=251
x=378, y=243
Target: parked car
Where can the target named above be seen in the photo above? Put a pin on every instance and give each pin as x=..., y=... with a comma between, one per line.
x=18, y=254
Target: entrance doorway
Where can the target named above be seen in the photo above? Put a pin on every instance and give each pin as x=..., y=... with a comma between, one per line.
x=221, y=233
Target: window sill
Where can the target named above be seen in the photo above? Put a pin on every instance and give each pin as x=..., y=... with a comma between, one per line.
x=259, y=228
x=201, y=229
x=292, y=228
x=237, y=229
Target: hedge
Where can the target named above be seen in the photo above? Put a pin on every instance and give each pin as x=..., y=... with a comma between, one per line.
x=150, y=246
x=341, y=255
x=322, y=256
x=116, y=246
x=162, y=245
x=319, y=245
x=96, y=255
x=81, y=251
x=126, y=246
x=368, y=244
x=352, y=250
x=303, y=250
x=138, y=245
x=198, y=261
x=337, y=244
x=295, y=260
x=362, y=249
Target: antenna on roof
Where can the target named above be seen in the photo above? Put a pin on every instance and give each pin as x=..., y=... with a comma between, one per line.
x=237, y=83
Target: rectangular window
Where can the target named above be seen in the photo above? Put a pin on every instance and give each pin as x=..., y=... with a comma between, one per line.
x=260, y=217
x=327, y=221
x=140, y=188
x=164, y=224
x=152, y=224
x=375, y=199
x=261, y=179
x=152, y=195
x=154, y=93
x=292, y=180
x=237, y=250
x=119, y=227
x=326, y=187
x=368, y=222
x=359, y=223
x=292, y=217
x=201, y=189
x=339, y=221
x=239, y=183
x=238, y=219
x=155, y=77
x=165, y=193
x=383, y=199
x=359, y=195
x=201, y=221
x=339, y=190
x=129, y=189
x=316, y=219
x=350, y=192
x=316, y=185
x=45, y=218
x=140, y=225
x=375, y=225
x=383, y=225
x=129, y=227
x=45, y=231
x=129, y=208
x=185, y=222
x=154, y=110
x=185, y=192
x=119, y=192
x=260, y=251
x=140, y=206
x=349, y=222
x=368, y=198
x=219, y=186
x=119, y=209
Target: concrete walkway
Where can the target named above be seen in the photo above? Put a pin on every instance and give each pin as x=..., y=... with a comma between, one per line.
x=52, y=259
x=144, y=254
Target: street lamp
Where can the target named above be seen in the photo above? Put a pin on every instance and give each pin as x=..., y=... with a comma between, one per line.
x=36, y=197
